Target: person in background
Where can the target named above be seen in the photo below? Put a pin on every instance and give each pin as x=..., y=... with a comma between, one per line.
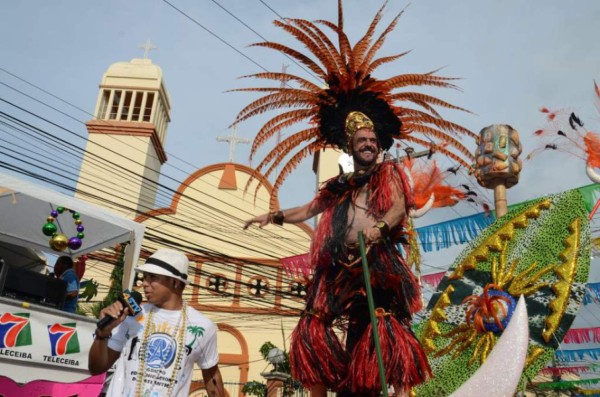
x=63, y=269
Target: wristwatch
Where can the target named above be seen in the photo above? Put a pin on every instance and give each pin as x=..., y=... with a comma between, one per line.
x=383, y=227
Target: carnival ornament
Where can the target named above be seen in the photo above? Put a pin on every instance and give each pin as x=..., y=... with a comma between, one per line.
x=346, y=85
x=541, y=250
x=497, y=162
x=565, y=132
x=507, y=358
x=59, y=241
x=429, y=188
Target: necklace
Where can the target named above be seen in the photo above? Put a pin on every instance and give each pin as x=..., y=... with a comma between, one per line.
x=179, y=333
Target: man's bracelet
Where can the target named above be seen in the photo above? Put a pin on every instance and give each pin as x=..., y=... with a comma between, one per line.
x=383, y=227
x=277, y=218
x=100, y=337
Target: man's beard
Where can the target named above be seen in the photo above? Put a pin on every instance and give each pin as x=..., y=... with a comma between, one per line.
x=363, y=163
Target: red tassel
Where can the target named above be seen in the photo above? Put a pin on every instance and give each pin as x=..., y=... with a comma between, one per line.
x=316, y=355
x=404, y=360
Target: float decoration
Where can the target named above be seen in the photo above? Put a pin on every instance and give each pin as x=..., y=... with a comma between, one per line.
x=497, y=163
x=59, y=241
x=540, y=249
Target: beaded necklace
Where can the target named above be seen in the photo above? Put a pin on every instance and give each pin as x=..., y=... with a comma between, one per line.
x=179, y=333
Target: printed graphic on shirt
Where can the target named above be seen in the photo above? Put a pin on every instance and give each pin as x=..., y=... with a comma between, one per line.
x=161, y=350
x=197, y=332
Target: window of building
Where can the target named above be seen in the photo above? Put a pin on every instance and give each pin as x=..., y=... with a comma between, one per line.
x=126, y=105
x=137, y=106
x=115, y=105
x=148, y=109
x=103, y=104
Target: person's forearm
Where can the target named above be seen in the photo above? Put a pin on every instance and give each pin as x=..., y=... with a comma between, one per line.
x=213, y=382
x=98, y=358
x=300, y=214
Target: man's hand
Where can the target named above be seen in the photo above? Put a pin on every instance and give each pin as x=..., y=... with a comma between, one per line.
x=262, y=221
x=371, y=234
x=115, y=311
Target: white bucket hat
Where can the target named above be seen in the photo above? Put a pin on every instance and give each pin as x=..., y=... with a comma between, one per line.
x=166, y=262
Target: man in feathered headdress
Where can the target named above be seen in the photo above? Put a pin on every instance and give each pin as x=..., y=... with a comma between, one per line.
x=375, y=199
x=363, y=115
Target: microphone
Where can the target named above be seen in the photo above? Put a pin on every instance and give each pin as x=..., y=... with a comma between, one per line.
x=129, y=300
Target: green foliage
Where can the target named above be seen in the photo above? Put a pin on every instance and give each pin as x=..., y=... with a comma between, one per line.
x=254, y=388
x=116, y=286
x=90, y=289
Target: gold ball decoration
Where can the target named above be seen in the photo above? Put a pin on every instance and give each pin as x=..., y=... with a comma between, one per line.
x=497, y=156
x=59, y=242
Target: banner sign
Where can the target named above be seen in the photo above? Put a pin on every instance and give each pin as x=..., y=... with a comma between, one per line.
x=33, y=335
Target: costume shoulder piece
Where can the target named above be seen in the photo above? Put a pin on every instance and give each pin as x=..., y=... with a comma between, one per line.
x=346, y=85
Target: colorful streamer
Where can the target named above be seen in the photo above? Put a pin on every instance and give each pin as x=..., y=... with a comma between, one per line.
x=462, y=230
x=577, y=355
x=566, y=384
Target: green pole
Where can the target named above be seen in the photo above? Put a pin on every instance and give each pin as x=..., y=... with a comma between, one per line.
x=365, y=267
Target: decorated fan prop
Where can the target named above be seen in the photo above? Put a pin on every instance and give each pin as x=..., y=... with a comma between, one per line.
x=59, y=241
x=540, y=249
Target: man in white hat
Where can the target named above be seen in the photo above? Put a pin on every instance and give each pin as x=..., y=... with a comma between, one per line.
x=156, y=349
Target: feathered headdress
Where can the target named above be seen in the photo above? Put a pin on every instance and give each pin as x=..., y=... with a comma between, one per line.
x=346, y=70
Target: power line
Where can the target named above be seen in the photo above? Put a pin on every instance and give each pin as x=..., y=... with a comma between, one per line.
x=265, y=39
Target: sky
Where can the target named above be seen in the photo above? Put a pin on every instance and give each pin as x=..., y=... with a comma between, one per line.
x=513, y=57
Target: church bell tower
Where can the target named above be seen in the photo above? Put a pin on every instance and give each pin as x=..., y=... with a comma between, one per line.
x=125, y=148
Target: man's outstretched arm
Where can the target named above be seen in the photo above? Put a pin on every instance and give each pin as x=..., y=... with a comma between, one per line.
x=292, y=215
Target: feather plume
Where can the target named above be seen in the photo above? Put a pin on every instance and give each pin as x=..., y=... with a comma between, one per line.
x=347, y=70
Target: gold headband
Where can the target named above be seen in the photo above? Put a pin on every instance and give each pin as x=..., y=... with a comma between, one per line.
x=355, y=121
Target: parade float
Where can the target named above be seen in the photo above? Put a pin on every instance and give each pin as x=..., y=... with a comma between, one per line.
x=44, y=350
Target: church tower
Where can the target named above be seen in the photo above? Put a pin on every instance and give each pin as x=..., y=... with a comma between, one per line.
x=125, y=148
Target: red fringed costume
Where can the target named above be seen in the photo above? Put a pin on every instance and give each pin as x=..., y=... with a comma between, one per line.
x=336, y=297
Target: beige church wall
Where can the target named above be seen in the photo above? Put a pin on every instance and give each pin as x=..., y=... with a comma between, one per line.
x=220, y=215
x=138, y=73
x=256, y=330
x=327, y=164
x=101, y=177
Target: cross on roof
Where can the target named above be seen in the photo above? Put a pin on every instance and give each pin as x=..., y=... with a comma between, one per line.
x=147, y=47
x=232, y=139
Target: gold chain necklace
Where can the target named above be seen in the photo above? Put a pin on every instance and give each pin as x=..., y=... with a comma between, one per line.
x=179, y=333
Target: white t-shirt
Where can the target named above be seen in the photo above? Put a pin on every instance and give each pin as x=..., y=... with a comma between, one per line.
x=161, y=352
